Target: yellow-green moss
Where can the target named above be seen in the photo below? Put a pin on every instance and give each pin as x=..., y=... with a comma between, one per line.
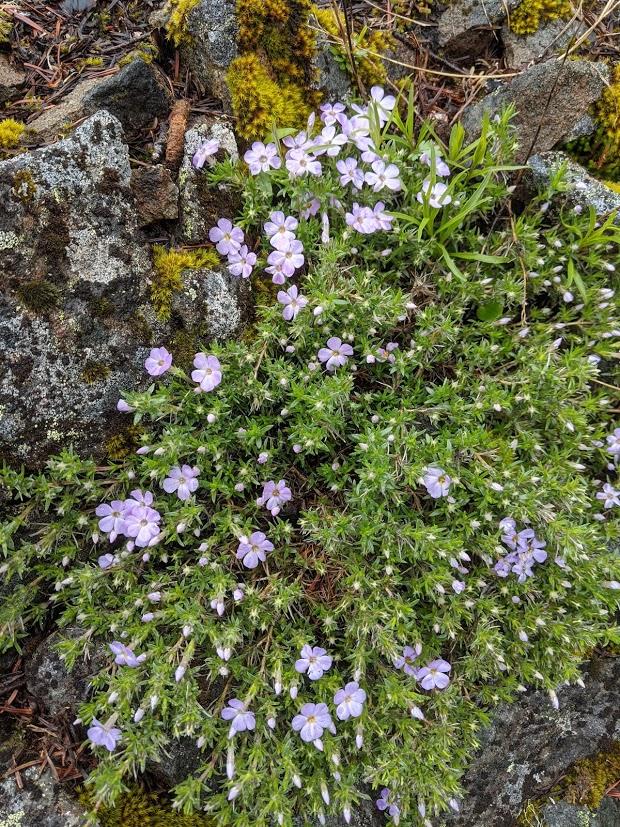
x=147, y=52
x=120, y=445
x=367, y=44
x=168, y=273
x=528, y=16
x=24, y=186
x=137, y=808
x=94, y=372
x=11, y=132
x=38, y=295
x=6, y=27
x=613, y=185
x=176, y=27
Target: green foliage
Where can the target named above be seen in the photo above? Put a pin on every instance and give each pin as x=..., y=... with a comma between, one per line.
x=497, y=316
x=39, y=295
x=531, y=14
x=137, y=808
x=168, y=273
x=11, y=132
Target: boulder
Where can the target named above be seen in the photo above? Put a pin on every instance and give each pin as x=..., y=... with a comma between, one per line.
x=212, y=45
x=10, y=79
x=570, y=815
x=331, y=78
x=550, y=39
x=136, y=95
x=466, y=26
x=550, y=99
x=530, y=745
x=156, y=194
x=213, y=303
x=582, y=189
x=43, y=802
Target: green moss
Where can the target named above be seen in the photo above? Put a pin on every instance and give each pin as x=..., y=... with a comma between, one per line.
x=530, y=14
x=101, y=307
x=176, y=27
x=137, y=808
x=168, y=273
x=147, y=52
x=24, y=186
x=6, y=27
x=120, y=445
x=39, y=295
x=11, y=132
x=95, y=372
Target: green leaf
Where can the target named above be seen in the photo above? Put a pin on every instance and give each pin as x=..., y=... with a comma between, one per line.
x=490, y=311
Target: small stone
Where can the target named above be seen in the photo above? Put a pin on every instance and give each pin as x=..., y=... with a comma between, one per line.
x=212, y=47
x=550, y=39
x=542, y=121
x=213, y=301
x=156, y=194
x=332, y=79
x=43, y=802
x=10, y=79
x=457, y=25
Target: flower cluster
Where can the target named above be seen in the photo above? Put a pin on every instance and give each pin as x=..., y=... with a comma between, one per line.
x=526, y=549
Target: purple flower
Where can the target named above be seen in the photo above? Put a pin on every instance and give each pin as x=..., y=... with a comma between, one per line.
x=458, y=586
x=204, y=151
x=143, y=525
x=105, y=561
x=330, y=112
x=293, y=302
x=406, y=660
x=389, y=802
x=299, y=162
x=382, y=219
x=437, y=482
x=242, y=719
x=314, y=660
x=336, y=354
x=277, y=272
x=613, y=443
x=311, y=722
x=384, y=103
x=158, y=362
x=609, y=495
x=208, y=372
x=383, y=176
x=139, y=498
x=436, y=195
x=182, y=480
x=280, y=227
x=124, y=656
x=441, y=168
x=263, y=457
x=103, y=735
x=261, y=158
x=328, y=142
x=241, y=262
x=434, y=675
x=124, y=407
x=361, y=219
x=274, y=495
x=113, y=518
x=349, y=701
x=227, y=239
x=510, y=535
x=350, y=173
x=310, y=206
x=253, y=549
x=290, y=257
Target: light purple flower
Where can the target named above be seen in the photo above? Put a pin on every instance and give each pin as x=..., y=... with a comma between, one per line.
x=310, y=206
x=441, y=168
x=336, y=354
x=227, y=239
x=311, y=722
x=263, y=457
x=103, y=735
x=105, y=561
x=437, y=482
x=113, y=518
x=280, y=228
x=208, y=372
x=182, y=480
x=241, y=262
x=350, y=173
x=436, y=195
x=261, y=158
x=383, y=175
x=330, y=112
x=510, y=537
x=204, y=151
x=278, y=276
x=124, y=407
x=139, y=497
x=406, y=660
x=290, y=257
x=613, y=443
x=458, y=586
x=143, y=525
x=349, y=701
x=253, y=549
x=241, y=718
x=299, y=141
x=434, y=675
x=609, y=495
x=328, y=142
x=299, y=162
x=388, y=802
x=274, y=495
x=124, y=656
x=361, y=219
x=158, y=362
x=384, y=103
x=383, y=220
x=314, y=660
x=293, y=302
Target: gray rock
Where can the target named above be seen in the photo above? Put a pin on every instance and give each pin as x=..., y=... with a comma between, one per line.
x=54, y=686
x=457, y=25
x=562, y=814
x=586, y=125
x=156, y=194
x=332, y=79
x=583, y=189
x=10, y=79
x=550, y=98
x=212, y=27
x=213, y=303
x=136, y=96
x=200, y=205
x=181, y=758
x=529, y=745
x=43, y=802
x=551, y=38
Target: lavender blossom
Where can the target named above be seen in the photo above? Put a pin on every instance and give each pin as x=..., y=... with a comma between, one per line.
x=349, y=701
x=208, y=372
x=436, y=195
x=204, y=151
x=314, y=661
x=609, y=495
x=105, y=561
x=275, y=495
x=143, y=525
x=330, y=112
x=253, y=549
x=241, y=262
x=361, y=219
x=280, y=227
x=434, y=675
x=406, y=660
x=312, y=721
x=227, y=239
x=336, y=354
x=293, y=302
x=182, y=480
x=388, y=802
x=124, y=656
x=103, y=735
x=124, y=407
x=383, y=175
x=113, y=518
x=261, y=158
x=613, y=443
x=290, y=258
x=437, y=482
x=383, y=103
x=350, y=173
x=158, y=362
x=239, y=715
